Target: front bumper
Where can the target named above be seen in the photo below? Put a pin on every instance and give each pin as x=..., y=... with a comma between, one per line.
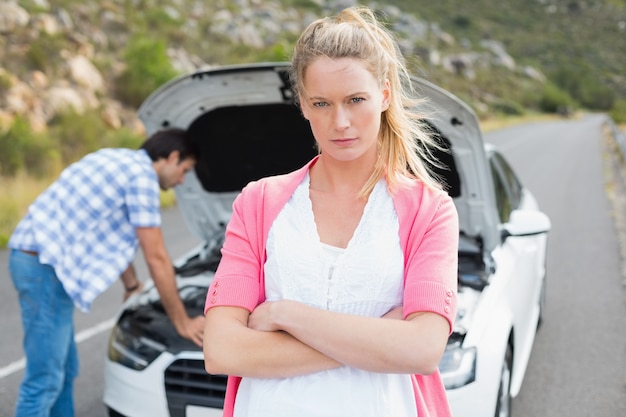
x=171, y=386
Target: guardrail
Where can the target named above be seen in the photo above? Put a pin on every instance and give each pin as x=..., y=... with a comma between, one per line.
x=619, y=136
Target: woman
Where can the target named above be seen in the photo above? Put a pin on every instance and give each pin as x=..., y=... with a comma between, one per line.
x=336, y=292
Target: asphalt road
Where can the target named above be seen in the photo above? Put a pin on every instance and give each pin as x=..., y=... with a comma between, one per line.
x=578, y=364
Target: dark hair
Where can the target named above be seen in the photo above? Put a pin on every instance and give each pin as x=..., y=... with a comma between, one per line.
x=162, y=143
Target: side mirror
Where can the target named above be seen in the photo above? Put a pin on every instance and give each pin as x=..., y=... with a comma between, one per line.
x=526, y=223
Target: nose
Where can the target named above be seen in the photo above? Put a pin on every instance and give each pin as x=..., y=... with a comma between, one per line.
x=341, y=118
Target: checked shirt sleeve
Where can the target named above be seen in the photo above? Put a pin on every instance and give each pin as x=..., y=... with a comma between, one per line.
x=143, y=199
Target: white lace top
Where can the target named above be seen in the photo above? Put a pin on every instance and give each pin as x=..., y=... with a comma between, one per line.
x=366, y=278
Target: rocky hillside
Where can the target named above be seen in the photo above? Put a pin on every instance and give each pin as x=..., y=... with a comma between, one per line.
x=60, y=56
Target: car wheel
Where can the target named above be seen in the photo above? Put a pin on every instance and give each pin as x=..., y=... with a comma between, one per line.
x=503, y=406
x=112, y=413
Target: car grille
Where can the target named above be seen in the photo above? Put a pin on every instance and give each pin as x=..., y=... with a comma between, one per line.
x=188, y=383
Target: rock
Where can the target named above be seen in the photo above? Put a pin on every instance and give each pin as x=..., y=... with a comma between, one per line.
x=111, y=115
x=46, y=23
x=61, y=99
x=20, y=98
x=84, y=73
x=38, y=80
x=501, y=55
x=12, y=16
x=460, y=64
x=534, y=74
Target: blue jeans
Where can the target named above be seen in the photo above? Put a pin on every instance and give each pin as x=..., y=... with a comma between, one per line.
x=49, y=346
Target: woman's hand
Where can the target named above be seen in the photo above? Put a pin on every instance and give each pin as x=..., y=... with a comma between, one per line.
x=263, y=317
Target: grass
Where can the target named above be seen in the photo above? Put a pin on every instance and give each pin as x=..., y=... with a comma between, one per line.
x=19, y=192
x=495, y=123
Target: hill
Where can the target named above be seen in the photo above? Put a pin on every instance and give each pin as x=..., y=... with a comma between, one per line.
x=72, y=73
x=491, y=52
x=579, y=45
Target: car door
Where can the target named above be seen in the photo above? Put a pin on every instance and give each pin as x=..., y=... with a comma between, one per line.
x=522, y=252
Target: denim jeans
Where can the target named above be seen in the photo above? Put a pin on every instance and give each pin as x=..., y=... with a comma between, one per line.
x=49, y=346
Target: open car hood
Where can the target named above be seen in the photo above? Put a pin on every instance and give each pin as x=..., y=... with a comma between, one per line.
x=247, y=126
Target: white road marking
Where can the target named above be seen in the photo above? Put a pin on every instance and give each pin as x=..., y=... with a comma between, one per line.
x=86, y=334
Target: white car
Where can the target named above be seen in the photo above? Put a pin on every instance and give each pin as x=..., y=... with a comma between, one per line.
x=247, y=126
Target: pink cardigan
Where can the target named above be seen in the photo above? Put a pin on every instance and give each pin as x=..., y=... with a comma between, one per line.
x=429, y=234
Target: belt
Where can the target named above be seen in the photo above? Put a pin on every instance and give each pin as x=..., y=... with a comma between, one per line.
x=29, y=252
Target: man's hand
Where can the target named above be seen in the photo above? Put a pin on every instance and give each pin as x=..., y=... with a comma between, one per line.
x=162, y=273
x=193, y=330
x=128, y=294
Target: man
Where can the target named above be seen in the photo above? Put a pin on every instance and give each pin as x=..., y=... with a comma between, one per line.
x=77, y=238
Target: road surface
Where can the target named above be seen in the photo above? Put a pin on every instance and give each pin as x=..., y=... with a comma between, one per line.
x=578, y=363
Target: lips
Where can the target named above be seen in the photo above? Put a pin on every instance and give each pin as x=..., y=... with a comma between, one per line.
x=344, y=141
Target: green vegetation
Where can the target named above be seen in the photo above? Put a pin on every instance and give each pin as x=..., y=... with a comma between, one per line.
x=147, y=67
x=29, y=161
x=25, y=150
x=577, y=45
x=5, y=83
x=618, y=113
x=555, y=100
x=44, y=54
x=78, y=134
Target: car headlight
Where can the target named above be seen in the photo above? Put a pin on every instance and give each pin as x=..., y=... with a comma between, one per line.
x=458, y=366
x=133, y=351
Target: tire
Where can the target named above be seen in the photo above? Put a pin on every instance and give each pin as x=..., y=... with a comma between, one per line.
x=504, y=401
x=112, y=413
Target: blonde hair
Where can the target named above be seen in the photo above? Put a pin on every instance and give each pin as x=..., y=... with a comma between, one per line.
x=403, y=142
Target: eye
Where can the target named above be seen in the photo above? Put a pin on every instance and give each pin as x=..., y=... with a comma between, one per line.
x=320, y=104
x=357, y=99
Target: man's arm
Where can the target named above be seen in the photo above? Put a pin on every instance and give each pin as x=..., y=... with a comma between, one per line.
x=130, y=281
x=162, y=272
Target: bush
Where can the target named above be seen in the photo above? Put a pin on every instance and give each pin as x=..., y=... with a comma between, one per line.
x=77, y=134
x=123, y=138
x=5, y=82
x=80, y=134
x=555, y=100
x=147, y=68
x=276, y=53
x=462, y=22
x=44, y=53
x=583, y=86
x=508, y=108
x=23, y=149
x=596, y=96
x=618, y=112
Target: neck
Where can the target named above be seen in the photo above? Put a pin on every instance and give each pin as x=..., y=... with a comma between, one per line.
x=340, y=177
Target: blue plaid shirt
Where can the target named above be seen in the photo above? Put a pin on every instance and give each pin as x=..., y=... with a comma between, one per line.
x=84, y=224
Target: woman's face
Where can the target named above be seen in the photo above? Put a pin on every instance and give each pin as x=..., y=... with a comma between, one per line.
x=343, y=102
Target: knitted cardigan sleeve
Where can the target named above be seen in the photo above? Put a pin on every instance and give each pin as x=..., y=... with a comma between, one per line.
x=429, y=234
x=239, y=279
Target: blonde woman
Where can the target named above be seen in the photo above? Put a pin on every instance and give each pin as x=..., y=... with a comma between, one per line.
x=336, y=292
